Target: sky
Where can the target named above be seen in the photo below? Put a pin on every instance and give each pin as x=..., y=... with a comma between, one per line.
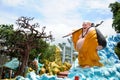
x=59, y=16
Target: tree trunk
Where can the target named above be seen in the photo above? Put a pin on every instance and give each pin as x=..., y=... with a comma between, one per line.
x=24, y=62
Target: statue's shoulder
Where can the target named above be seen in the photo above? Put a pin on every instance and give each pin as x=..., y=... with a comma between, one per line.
x=78, y=31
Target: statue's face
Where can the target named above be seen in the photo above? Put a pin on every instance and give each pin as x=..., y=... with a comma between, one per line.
x=86, y=25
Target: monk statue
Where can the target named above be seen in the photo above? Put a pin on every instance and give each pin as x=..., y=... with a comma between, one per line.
x=85, y=42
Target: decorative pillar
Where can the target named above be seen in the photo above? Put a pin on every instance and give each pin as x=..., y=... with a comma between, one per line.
x=64, y=50
x=71, y=49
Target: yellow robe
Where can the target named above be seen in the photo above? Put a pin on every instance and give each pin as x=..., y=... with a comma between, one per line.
x=87, y=55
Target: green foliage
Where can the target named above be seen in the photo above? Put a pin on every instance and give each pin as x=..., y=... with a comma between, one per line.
x=43, y=46
x=49, y=54
x=117, y=49
x=33, y=54
x=6, y=32
x=115, y=8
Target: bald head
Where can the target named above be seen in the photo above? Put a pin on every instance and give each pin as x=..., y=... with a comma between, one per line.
x=86, y=25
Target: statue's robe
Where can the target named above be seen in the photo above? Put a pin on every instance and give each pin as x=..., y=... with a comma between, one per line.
x=87, y=48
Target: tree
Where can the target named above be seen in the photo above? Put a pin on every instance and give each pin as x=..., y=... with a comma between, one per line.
x=115, y=8
x=117, y=50
x=25, y=40
x=6, y=32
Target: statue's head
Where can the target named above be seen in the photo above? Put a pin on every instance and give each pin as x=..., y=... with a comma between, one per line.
x=86, y=25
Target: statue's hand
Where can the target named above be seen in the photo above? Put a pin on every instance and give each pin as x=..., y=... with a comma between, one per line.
x=99, y=47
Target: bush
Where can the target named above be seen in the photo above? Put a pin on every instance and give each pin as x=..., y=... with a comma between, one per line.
x=117, y=49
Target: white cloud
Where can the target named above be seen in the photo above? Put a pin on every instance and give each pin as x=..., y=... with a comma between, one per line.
x=106, y=27
x=6, y=18
x=13, y=3
x=98, y=4
x=59, y=7
x=57, y=12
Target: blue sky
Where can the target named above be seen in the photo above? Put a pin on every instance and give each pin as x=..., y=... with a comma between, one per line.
x=59, y=16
